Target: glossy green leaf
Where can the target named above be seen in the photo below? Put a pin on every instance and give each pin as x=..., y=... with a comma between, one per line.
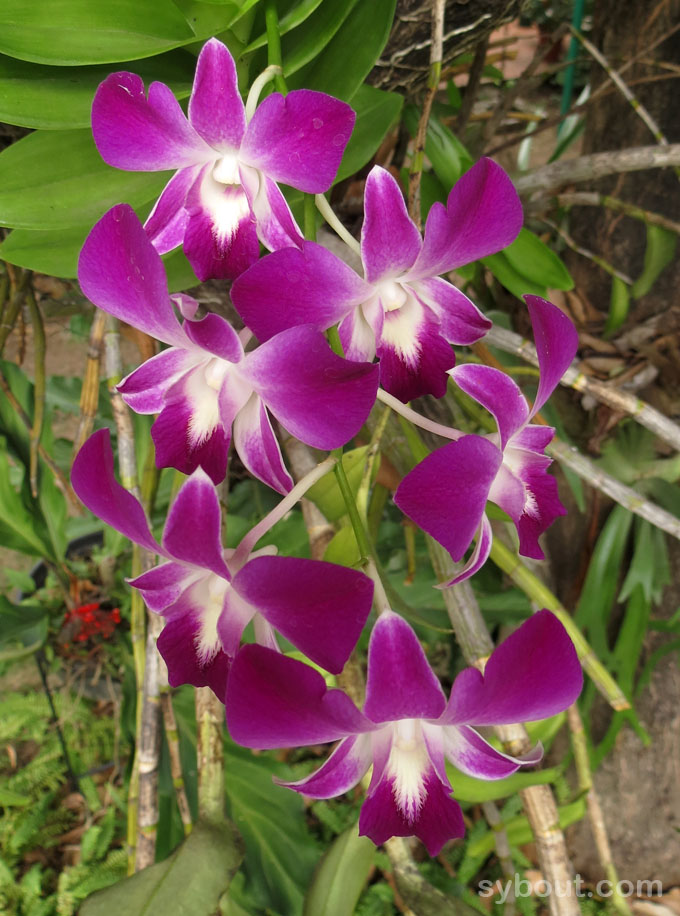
x=340, y=876
x=189, y=883
x=659, y=252
x=57, y=180
x=468, y=789
x=326, y=493
x=510, y=278
x=35, y=95
x=86, y=32
x=350, y=55
x=20, y=528
x=619, y=304
x=290, y=20
x=303, y=44
x=23, y=630
x=343, y=548
x=376, y=112
x=531, y=258
x=208, y=19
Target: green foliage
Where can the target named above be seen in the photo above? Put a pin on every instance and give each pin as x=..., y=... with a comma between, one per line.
x=340, y=876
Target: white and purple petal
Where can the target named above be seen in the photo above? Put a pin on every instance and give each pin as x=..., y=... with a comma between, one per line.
x=498, y=393
x=163, y=585
x=460, y=321
x=192, y=531
x=471, y=754
x=258, y=447
x=167, y=222
x=216, y=110
x=340, y=773
x=390, y=240
x=145, y=388
x=177, y=644
x=479, y=555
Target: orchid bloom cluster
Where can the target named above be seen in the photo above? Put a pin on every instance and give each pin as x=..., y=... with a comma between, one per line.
x=231, y=613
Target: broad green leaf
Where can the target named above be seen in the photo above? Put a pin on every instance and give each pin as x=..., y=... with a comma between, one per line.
x=303, y=44
x=534, y=260
x=510, y=278
x=619, y=304
x=659, y=252
x=468, y=789
x=343, y=548
x=340, y=876
x=326, y=492
x=35, y=95
x=339, y=70
x=189, y=883
x=291, y=20
x=447, y=154
x=376, y=112
x=519, y=832
x=86, y=32
x=208, y=19
x=57, y=180
x=20, y=529
x=23, y=630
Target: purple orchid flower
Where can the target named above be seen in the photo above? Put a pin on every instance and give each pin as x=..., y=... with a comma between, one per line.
x=224, y=195
x=204, y=383
x=209, y=595
x=407, y=729
x=446, y=493
x=402, y=310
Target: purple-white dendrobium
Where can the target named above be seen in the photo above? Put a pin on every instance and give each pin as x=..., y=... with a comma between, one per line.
x=446, y=493
x=401, y=311
x=407, y=729
x=208, y=595
x=205, y=384
x=224, y=196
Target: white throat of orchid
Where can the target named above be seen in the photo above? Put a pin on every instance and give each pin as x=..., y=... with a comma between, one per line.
x=203, y=391
x=392, y=295
x=209, y=595
x=222, y=195
x=515, y=462
x=407, y=767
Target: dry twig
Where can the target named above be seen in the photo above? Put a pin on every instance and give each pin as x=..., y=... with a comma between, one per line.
x=89, y=395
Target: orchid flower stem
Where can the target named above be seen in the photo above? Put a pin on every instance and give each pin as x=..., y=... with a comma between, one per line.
x=310, y=217
x=39, y=386
x=267, y=75
x=250, y=540
x=326, y=211
x=271, y=18
x=430, y=425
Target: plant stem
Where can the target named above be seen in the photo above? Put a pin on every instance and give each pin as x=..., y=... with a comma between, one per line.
x=89, y=395
x=209, y=755
x=328, y=214
x=172, y=737
x=271, y=18
x=409, y=414
x=11, y=311
x=495, y=821
x=38, y=389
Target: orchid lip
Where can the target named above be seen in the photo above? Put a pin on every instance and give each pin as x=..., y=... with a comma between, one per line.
x=226, y=170
x=392, y=295
x=407, y=766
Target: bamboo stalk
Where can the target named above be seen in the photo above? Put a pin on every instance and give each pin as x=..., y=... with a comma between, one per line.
x=149, y=751
x=319, y=529
x=210, y=755
x=39, y=387
x=495, y=821
x=172, y=737
x=89, y=395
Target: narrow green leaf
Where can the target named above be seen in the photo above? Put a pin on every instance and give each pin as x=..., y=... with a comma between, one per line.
x=57, y=180
x=376, y=112
x=302, y=45
x=534, y=260
x=189, y=883
x=340, y=876
x=447, y=154
x=619, y=303
x=659, y=252
x=35, y=95
x=468, y=789
x=291, y=20
x=23, y=630
x=511, y=278
x=82, y=32
x=20, y=529
x=326, y=492
x=9, y=799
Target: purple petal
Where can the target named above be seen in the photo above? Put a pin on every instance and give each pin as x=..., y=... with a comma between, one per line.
x=275, y=701
x=460, y=321
x=221, y=239
x=214, y=334
x=446, y=493
x=479, y=555
x=163, y=585
x=122, y=273
x=541, y=508
x=177, y=645
x=144, y=389
x=96, y=486
x=299, y=139
x=357, y=333
x=140, y=134
x=414, y=357
x=177, y=445
x=193, y=528
x=439, y=820
x=400, y=683
x=534, y=674
x=556, y=345
x=215, y=107
x=321, y=399
x=295, y=286
x=390, y=240
x=483, y=214
x=497, y=392
x=258, y=448
x=468, y=751
x=276, y=226
x=236, y=615
x=320, y=607
x=167, y=222
x=340, y=773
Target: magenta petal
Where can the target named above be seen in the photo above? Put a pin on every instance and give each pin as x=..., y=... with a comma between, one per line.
x=320, y=607
x=96, y=486
x=534, y=674
x=479, y=555
x=321, y=399
x=541, y=509
x=414, y=357
x=439, y=819
x=556, y=345
x=446, y=493
x=144, y=389
x=122, y=273
x=340, y=773
x=177, y=645
x=162, y=585
x=390, y=240
x=460, y=321
x=258, y=448
x=167, y=222
x=497, y=392
x=275, y=701
x=299, y=139
x=215, y=107
x=468, y=751
x=483, y=214
x=214, y=334
x=400, y=683
x=140, y=134
x=177, y=447
x=276, y=226
x=295, y=286
x=193, y=527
